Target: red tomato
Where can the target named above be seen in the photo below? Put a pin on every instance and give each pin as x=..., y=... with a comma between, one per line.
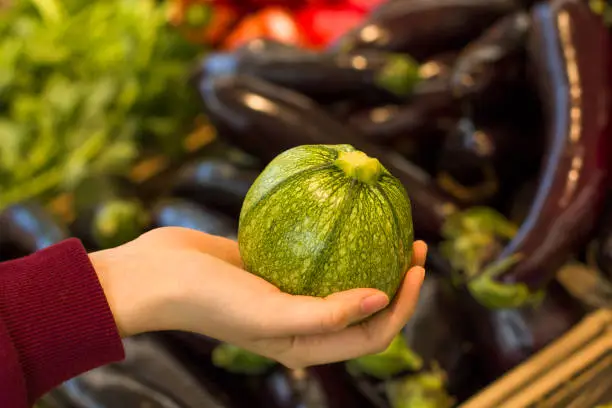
x=272, y=22
x=365, y=5
x=323, y=25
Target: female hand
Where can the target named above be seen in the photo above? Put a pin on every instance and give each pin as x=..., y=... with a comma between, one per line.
x=181, y=279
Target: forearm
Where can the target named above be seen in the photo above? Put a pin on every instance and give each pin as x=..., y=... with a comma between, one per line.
x=56, y=320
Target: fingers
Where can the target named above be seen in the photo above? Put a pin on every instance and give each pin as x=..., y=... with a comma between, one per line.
x=419, y=253
x=301, y=315
x=307, y=316
x=369, y=337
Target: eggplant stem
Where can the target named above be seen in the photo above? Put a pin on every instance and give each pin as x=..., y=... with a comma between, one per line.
x=397, y=358
x=412, y=359
x=497, y=268
x=480, y=192
x=237, y=360
x=425, y=390
x=400, y=75
x=498, y=295
x=472, y=237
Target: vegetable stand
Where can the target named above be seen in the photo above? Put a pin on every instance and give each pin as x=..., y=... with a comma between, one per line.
x=494, y=116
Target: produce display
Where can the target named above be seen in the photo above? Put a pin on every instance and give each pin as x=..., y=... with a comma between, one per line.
x=480, y=126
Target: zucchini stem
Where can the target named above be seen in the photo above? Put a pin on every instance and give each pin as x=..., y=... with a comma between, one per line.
x=359, y=166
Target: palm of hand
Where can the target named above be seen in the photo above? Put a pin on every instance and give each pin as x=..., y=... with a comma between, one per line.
x=198, y=285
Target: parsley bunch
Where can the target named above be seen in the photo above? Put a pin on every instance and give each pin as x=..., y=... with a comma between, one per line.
x=85, y=85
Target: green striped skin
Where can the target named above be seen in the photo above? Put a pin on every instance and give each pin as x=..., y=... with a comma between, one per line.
x=309, y=229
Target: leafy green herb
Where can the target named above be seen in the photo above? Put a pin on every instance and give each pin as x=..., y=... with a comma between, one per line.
x=84, y=86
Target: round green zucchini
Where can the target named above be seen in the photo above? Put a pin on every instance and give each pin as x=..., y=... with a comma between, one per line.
x=321, y=219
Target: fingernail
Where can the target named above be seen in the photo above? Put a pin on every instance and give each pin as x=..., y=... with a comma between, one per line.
x=374, y=303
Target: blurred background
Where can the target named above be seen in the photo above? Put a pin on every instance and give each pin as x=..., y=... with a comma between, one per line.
x=120, y=116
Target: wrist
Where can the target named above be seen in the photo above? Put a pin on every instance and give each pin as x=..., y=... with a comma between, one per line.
x=131, y=294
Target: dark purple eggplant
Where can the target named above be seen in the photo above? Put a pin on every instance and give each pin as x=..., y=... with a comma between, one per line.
x=221, y=63
x=264, y=120
x=52, y=400
x=186, y=214
x=440, y=315
x=426, y=111
x=149, y=376
x=27, y=228
x=600, y=250
x=215, y=183
x=432, y=86
x=518, y=207
x=341, y=388
x=277, y=388
x=108, y=213
x=465, y=169
x=505, y=338
x=366, y=75
x=423, y=28
x=262, y=44
x=415, y=120
x=493, y=60
x=229, y=63
x=478, y=161
x=603, y=248
x=108, y=387
x=147, y=358
x=567, y=50
x=434, y=345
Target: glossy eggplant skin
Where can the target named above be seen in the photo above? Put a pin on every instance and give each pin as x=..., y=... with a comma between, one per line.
x=392, y=123
x=505, y=338
x=221, y=63
x=430, y=106
x=566, y=48
x=603, y=241
x=423, y=28
x=494, y=59
x=369, y=75
x=148, y=376
x=215, y=183
x=147, y=358
x=52, y=400
x=478, y=160
x=177, y=212
x=27, y=228
x=280, y=388
x=108, y=387
x=342, y=388
x=264, y=120
x=437, y=333
x=261, y=44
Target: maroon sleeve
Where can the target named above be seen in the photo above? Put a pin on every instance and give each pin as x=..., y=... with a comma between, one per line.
x=55, y=322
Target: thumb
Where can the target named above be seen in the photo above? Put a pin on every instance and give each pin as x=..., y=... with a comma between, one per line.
x=304, y=315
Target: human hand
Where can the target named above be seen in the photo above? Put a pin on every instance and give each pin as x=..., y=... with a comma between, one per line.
x=180, y=279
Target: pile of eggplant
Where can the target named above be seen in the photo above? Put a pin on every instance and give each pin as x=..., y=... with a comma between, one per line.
x=494, y=114
x=496, y=117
